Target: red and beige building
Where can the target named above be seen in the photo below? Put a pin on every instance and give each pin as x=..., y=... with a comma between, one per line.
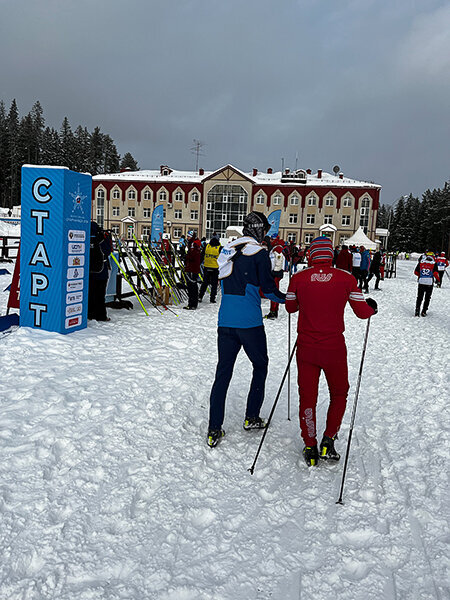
x=311, y=203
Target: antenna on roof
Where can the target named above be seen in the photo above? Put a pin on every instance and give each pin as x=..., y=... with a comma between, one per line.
x=296, y=161
x=282, y=165
x=336, y=169
x=197, y=150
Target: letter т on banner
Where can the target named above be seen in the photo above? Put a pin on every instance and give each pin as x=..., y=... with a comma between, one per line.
x=54, y=252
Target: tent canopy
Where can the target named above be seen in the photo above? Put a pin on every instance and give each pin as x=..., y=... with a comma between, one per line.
x=359, y=238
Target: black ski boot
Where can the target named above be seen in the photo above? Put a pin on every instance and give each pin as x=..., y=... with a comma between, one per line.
x=271, y=315
x=311, y=456
x=423, y=313
x=251, y=423
x=417, y=313
x=214, y=437
x=327, y=450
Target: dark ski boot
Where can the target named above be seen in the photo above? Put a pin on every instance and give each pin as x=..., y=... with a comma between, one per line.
x=214, y=437
x=254, y=423
x=327, y=449
x=417, y=313
x=271, y=315
x=311, y=456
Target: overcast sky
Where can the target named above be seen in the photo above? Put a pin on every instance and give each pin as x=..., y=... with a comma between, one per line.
x=364, y=84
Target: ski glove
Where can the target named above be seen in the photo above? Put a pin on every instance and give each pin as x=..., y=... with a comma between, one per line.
x=372, y=304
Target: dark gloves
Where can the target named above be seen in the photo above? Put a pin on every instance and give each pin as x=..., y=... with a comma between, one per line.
x=372, y=304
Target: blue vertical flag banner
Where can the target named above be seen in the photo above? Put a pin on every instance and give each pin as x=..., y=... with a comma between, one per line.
x=274, y=221
x=157, y=223
x=54, y=250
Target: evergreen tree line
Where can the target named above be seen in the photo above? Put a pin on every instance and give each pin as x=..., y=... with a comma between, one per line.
x=27, y=140
x=418, y=225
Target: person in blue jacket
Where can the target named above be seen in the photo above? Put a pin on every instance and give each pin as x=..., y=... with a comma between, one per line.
x=244, y=269
x=364, y=270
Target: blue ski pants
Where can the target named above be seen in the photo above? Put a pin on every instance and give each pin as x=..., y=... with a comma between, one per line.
x=229, y=341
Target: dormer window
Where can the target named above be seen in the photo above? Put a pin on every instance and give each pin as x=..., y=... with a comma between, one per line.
x=312, y=201
x=294, y=201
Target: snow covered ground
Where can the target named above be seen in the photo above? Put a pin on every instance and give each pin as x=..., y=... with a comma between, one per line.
x=109, y=491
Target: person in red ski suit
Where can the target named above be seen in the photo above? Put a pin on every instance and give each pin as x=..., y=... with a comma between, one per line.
x=320, y=294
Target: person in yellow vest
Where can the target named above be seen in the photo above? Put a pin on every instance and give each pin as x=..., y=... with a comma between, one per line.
x=210, y=269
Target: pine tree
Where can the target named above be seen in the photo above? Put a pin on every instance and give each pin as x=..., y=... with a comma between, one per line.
x=96, y=152
x=67, y=142
x=128, y=162
x=13, y=174
x=3, y=153
x=82, y=141
x=110, y=155
x=37, y=116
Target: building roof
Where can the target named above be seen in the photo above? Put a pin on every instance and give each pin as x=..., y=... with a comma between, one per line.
x=312, y=179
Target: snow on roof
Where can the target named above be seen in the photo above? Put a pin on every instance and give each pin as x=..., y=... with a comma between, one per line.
x=326, y=179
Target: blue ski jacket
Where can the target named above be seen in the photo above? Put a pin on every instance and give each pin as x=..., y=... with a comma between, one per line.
x=244, y=269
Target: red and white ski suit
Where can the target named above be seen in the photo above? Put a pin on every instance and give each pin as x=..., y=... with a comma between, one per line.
x=320, y=294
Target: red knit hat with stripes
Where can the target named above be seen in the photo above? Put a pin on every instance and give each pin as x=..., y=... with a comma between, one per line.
x=321, y=250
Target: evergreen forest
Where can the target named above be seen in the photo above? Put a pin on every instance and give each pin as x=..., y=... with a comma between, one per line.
x=27, y=140
x=418, y=225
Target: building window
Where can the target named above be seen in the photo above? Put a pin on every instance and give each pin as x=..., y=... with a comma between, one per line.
x=277, y=200
x=116, y=211
x=194, y=197
x=259, y=199
x=162, y=196
x=345, y=220
x=294, y=201
x=177, y=232
x=179, y=197
x=147, y=195
x=364, y=214
x=224, y=205
x=147, y=213
x=131, y=195
x=292, y=237
x=312, y=201
x=343, y=239
x=115, y=229
x=328, y=219
x=194, y=215
x=100, y=194
x=146, y=232
x=329, y=201
x=309, y=238
x=241, y=218
x=293, y=218
x=130, y=232
x=166, y=172
x=178, y=213
x=346, y=202
x=116, y=194
x=310, y=219
x=131, y=211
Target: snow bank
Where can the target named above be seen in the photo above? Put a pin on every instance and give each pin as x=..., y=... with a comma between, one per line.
x=108, y=489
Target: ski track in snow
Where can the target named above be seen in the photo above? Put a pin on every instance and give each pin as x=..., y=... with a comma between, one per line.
x=108, y=490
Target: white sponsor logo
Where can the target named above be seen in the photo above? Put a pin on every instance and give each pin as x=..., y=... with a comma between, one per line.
x=73, y=322
x=76, y=273
x=76, y=248
x=75, y=261
x=76, y=235
x=74, y=309
x=74, y=286
x=322, y=277
x=73, y=298
x=310, y=422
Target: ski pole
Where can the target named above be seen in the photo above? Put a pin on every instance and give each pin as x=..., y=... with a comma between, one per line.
x=252, y=468
x=352, y=421
x=289, y=345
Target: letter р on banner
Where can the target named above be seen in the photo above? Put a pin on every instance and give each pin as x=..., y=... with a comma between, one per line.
x=54, y=249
